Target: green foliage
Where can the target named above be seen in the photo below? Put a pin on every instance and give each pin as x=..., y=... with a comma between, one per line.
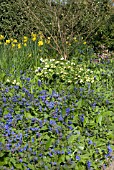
x=105, y=35
x=14, y=22
x=60, y=126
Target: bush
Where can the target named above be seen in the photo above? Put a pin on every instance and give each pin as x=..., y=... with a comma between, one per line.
x=14, y=22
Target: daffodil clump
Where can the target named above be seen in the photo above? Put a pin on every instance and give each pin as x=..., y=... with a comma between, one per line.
x=25, y=41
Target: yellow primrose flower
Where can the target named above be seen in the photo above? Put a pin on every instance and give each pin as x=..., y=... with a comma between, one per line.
x=84, y=42
x=8, y=41
x=40, y=43
x=19, y=45
x=1, y=37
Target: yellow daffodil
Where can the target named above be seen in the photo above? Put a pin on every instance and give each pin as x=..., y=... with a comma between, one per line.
x=1, y=37
x=33, y=38
x=84, y=42
x=25, y=44
x=40, y=43
x=75, y=39
x=25, y=39
x=8, y=41
x=19, y=45
x=13, y=45
x=14, y=41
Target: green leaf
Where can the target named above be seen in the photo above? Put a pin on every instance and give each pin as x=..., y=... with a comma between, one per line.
x=99, y=119
x=28, y=115
x=81, y=147
x=61, y=159
x=79, y=103
x=71, y=139
x=44, y=128
x=31, y=166
x=2, y=155
x=48, y=143
x=19, y=166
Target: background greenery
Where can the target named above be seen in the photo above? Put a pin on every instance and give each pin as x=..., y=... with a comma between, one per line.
x=93, y=20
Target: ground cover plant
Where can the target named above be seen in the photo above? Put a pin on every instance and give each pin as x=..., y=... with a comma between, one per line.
x=55, y=113
x=56, y=85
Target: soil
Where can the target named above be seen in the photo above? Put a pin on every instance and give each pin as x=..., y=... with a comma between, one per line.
x=111, y=167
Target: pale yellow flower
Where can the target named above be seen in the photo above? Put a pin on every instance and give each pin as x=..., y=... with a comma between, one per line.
x=40, y=43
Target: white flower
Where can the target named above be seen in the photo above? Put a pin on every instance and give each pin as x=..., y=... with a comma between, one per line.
x=8, y=80
x=14, y=82
x=81, y=81
x=44, y=68
x=69, y=81
x=57, y=62
x=45, y=72
x=52, y=59
x=41, y=59
x=47, y=66
x=17, y=83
